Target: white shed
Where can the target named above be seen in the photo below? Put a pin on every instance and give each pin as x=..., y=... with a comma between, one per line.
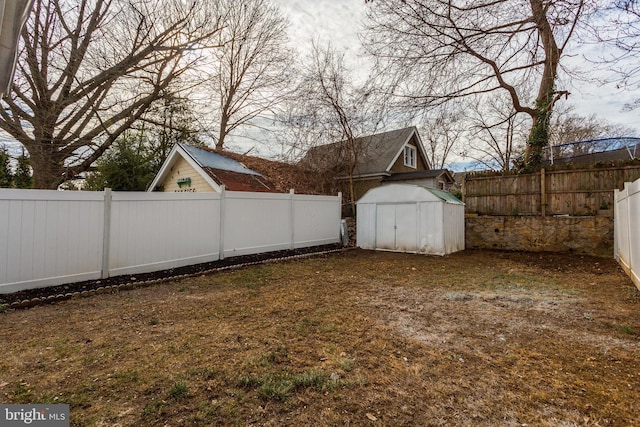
x=410, y=218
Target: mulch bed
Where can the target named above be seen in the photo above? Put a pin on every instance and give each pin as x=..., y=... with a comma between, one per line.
x=31, y=297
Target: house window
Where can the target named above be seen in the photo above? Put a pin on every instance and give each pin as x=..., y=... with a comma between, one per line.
x=410, y=156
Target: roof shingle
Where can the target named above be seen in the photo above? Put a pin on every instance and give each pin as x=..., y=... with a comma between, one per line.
x=376, y=152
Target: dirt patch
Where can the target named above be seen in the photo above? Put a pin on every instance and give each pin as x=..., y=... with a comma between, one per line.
x=478, y=338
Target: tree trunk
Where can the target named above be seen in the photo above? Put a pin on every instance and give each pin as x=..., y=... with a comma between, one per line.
x=537, y=140
x=352, y=194
x=539, y=135
x=224, y=120
x=48, y=172
x=353, y=162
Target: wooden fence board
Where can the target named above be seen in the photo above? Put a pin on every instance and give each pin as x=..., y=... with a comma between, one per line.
x=556, y=192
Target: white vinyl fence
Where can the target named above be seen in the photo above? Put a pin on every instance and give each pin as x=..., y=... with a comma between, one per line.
x=49, y=238
x=627, y=229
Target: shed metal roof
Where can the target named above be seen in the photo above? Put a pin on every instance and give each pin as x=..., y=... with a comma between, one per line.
x=407, y=193
x=443, y=195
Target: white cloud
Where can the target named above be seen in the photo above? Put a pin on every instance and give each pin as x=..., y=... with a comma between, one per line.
x=325, y=21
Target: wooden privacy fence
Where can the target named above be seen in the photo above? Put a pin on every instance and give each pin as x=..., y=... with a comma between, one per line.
x=48, y=238
x=555, y=192
x=627, y=230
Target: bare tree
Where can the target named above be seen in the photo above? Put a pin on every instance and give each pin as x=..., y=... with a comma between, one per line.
x=168, y=121
x=331, y=108
x=497, y=132
x=569, y=127
x=253, y=69
x=441, y=131
x=619, y=29
x=441, y=50
x=89, y=69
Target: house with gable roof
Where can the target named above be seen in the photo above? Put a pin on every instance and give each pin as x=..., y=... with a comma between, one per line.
x=397, y=156
x=192, y=169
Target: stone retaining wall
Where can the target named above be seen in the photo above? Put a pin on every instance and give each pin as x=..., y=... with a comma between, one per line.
x=591, y=235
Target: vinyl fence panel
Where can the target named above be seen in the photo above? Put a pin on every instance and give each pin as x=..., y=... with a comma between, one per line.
x=157, y=231
x=627, y=230
x=256, y=222
x=634, y=231
x=621, y=226
x=314, y=220
x=49, y=238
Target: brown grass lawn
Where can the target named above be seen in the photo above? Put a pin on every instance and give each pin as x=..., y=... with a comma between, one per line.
x=478, y=338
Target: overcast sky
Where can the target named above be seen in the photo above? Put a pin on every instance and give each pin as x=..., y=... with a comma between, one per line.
x=339, y=21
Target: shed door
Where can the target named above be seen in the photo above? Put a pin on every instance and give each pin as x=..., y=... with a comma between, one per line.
x=396, y=227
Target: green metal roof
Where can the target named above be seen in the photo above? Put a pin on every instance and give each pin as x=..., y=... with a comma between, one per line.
x=444, y=195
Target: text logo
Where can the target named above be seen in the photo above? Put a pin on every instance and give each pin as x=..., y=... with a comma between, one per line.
x=34, y=415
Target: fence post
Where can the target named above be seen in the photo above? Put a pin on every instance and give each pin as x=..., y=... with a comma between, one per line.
x=106, y=234
x=292, y=219
x=616, y=224
x=629, y=230
x=222, y=214
x=543, y=193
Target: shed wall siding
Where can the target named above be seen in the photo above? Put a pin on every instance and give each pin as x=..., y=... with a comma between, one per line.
x=453, y=231
x=409, y=218
x=182, y=169
x=366, y=226
x=432, y=232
